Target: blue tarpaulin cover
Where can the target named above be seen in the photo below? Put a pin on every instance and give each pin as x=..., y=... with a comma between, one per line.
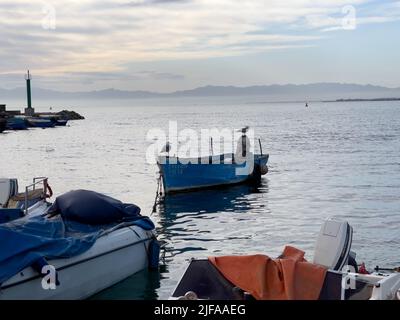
x=79, y=217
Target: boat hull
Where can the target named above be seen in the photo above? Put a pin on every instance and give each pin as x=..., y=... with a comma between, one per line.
x=41, y=123
x=16, y=124
x=180, y=176
x=208, y=283
x=112, y=258
x=55, y=119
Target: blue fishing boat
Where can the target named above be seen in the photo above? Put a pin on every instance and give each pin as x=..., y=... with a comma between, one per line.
x=56, y=119
x=180, y=174
x=16, y=123
x=186, y=174
x=40, y=123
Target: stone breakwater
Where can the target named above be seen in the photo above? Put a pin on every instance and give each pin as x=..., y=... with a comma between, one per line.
x=70, y=115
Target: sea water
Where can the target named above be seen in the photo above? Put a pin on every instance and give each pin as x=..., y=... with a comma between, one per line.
x=329, y=160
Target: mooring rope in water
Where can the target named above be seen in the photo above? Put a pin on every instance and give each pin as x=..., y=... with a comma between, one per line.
x=163, y=249
x=159, y=195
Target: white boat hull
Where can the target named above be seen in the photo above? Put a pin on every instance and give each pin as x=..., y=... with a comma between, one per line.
x=112, y=258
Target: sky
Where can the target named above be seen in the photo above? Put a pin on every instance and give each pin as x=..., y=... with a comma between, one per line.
x=168, y=45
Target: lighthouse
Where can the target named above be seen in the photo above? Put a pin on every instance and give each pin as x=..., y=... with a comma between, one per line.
x=29, y=111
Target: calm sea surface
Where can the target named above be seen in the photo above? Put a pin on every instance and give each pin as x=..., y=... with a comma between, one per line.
x=332, y=159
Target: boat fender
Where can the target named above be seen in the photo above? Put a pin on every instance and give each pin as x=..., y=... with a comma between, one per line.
x=154, y=254
x=38, y=267
x=264, y=169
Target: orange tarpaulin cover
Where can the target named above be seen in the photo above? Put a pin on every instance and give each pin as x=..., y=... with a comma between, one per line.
x=290, y=277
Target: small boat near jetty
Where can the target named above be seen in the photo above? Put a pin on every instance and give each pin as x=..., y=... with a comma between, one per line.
x=186, y=174
x=56, y=119
x=84, y=243
x=17, y=123
x=333, y=274
x=40, y=123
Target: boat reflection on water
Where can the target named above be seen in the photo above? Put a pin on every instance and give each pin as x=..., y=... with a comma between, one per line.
x=232, y=198
x=188, y=220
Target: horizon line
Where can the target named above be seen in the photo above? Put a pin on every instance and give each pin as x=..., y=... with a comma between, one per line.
x=209, y=86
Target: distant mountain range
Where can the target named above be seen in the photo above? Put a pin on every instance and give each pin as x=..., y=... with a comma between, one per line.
x=287, y=92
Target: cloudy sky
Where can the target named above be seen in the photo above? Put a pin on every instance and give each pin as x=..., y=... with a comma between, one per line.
x=166, y=45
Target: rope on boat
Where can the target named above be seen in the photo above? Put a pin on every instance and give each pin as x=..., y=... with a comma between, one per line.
x=159, y=194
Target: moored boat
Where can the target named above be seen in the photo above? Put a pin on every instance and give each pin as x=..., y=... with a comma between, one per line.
x=185, y=174
x=114, y=257
x=90, y=241
x=40, y=123
x=56, y=119
x=333, y=274
x=16, y=123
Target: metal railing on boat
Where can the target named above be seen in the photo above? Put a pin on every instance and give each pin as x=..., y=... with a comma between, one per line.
x=36, y=181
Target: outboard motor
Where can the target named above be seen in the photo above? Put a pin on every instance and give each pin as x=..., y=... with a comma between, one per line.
x=332, y=249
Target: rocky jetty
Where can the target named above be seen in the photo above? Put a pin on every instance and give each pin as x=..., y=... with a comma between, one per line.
x=70, y=115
